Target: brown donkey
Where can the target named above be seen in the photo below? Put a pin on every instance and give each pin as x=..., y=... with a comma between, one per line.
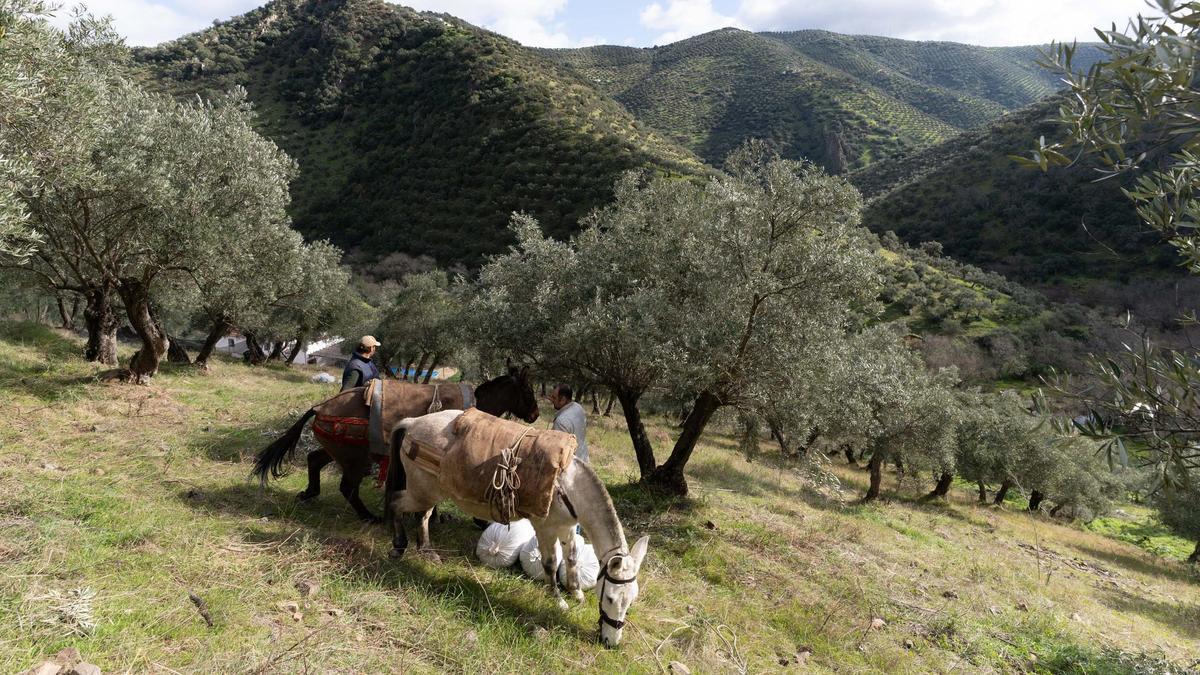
x=509, y=393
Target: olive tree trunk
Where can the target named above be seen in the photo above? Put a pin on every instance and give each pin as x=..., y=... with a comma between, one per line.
x=637, y=431
x=1195, y=556
x=1035, y=500
x=135, y=294
x=295, y=350
x=102, y=322
x=669, y=477
x=432, y=364
x=219, y=329
x=982, y=492
x=875, y=466
x=1002, y=492
x=942, y=488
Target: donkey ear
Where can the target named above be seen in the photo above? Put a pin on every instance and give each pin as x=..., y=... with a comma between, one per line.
x=508, y=364
x=524, y=374
x=638, y=553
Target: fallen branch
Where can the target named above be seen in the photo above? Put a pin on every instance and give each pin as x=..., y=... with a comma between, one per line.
x=201, y=607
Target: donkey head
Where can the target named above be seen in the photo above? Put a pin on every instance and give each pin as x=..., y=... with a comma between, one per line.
x=618, y=588
x=509, y=393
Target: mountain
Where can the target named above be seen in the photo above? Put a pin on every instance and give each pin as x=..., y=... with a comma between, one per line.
x=1034, y=227
x=415, y=132
x=841, y=100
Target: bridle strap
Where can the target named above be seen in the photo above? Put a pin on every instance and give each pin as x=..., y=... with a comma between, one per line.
x=606, y=579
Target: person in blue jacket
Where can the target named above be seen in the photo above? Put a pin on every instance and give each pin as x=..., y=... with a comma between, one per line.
x=360, y=369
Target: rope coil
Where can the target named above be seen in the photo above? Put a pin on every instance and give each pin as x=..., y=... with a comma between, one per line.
x=502, y=493
x=436, y=404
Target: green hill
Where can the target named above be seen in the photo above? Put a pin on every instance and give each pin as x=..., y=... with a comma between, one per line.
x=968, y=194
x=843, y=101
x=415, y=132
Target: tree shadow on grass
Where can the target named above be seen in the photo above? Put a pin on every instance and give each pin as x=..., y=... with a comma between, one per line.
x=242, y=443
x=1182, y=618
x=276, y=519
x=1145, y=564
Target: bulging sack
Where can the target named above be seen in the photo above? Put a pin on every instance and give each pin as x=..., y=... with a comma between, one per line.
x=587, y=566
x=500, y=545
x=531, y=559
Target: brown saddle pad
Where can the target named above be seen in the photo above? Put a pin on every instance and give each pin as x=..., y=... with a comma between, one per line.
x=336, y=417
x=470, y=461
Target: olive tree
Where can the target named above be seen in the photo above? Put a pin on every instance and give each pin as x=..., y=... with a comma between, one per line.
x=164, y=187
x=1139, y=112
x=53, y=96
x=421, y=325
x=707, y=292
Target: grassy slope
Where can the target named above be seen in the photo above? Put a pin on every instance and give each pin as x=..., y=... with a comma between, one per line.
x=884, y=97
x=753, y=568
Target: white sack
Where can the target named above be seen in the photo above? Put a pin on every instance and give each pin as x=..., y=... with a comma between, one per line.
x=531, y=559
x=499, y=545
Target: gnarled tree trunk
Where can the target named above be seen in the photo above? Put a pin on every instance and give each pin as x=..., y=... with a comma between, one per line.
x=1195, y=556
x=1002, y=492
x=255, y=353
x=420, y=367
x=982, y=492
x=432, y=364
x=144, y=364
x=637, y=431
x=1035, y=500
x=669, y=477
x=875, y=466
x=276, y=351
x=942, y=488
x=176, y=353
x=219, y=329
x=295, y=350
x=102, y=322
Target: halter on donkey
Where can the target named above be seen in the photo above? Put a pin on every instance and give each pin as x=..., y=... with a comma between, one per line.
x=416, y=484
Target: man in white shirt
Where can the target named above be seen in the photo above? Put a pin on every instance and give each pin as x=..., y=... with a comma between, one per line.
x=570, y=418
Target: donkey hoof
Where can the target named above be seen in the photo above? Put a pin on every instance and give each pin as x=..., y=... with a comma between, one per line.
x=429, y=556
x=372, y=519
x=306, y=495
x=578, y=595
x=562, y=604
x=396, y=552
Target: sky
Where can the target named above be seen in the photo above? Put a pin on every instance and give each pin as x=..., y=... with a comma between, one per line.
x=642, y=23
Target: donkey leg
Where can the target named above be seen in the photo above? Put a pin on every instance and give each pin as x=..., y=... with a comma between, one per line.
x=352, y=476
x=405, y=503
x=423, y=543
x=548, y=547
x=571, y=553
x=317, y=459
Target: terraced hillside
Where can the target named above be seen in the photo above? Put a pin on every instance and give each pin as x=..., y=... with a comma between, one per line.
x=844, y=101
x=968, y=194
x=415, y=132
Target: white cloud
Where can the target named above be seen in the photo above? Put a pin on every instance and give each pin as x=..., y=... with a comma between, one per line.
x=534, y=23
x=146, y=22
x=981, y=22
x=680, y=19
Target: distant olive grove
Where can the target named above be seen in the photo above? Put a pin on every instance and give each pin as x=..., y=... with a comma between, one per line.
x=127, y=206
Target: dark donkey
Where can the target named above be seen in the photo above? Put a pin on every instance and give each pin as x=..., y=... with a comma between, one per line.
x=510, y=393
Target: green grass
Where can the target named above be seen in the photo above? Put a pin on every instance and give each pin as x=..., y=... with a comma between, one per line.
x=138, y=496
x=1139, y=527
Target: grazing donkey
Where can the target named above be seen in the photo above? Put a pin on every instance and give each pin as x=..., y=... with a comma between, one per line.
x=580, y=497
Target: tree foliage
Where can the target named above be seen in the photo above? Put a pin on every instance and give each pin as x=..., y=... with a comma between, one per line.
x=711, y=292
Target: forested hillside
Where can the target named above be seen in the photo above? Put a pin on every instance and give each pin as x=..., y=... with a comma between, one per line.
x=843, y=101
x=984, y=208
x=415, y=132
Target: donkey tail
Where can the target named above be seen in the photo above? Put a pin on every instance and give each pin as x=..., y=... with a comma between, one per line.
x=269, y=463
x=396, y=478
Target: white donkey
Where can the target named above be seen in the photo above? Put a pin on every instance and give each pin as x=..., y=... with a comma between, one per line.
x=580, y=498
